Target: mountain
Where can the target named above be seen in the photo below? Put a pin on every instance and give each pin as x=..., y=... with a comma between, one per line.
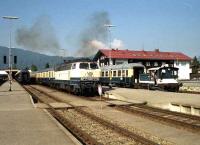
x=27, y=58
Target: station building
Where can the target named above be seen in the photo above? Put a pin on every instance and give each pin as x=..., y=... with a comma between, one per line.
x=149, y=59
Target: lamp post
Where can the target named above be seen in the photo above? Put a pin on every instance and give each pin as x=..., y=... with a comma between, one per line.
x=62, y=54
x=10, y=18
x=109, y=26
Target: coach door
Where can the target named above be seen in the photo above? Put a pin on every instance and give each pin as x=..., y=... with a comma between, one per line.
x=137, y=71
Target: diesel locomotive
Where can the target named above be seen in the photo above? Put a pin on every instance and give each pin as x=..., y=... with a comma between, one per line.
x=78, y=77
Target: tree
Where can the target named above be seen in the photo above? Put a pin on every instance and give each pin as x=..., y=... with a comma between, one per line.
x=33, y=67
x=195, y=65
x=47, y=65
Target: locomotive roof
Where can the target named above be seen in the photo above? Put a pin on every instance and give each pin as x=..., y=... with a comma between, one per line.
x=44, y=70
x=78, y=60
x=123, y=66
x=2, y=72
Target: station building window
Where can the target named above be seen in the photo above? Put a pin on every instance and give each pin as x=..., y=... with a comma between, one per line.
x=4, y=60
x=148, y=64
x=155, y=63
x=183, y=63
x=163, y=63
x=15, y=59
x=119, y=73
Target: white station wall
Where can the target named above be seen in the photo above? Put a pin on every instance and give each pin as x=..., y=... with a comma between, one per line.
x=184, y=69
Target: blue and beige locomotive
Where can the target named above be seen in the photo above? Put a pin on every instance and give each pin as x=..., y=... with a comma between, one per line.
x=79, y=77
x=23, y=76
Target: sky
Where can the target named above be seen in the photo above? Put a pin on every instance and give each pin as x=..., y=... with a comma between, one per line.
x=59, y=26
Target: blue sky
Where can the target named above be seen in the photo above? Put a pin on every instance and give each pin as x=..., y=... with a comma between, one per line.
x=170, y=25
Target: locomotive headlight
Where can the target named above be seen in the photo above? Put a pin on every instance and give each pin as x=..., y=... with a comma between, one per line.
x=89, y=74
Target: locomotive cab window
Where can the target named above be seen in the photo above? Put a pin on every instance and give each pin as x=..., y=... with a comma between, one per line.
x=84, y=66
x=68, y=66
x=74, y=66
x=93, y=66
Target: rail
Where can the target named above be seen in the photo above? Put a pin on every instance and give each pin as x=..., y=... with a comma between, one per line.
x=82, y=136
x=181, y=120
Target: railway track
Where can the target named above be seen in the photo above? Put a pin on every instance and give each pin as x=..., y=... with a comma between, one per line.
x=86, y=126
x=180, y=120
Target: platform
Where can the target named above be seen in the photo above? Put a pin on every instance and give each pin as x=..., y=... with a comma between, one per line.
x=152, y=96
x=168, y=100
x=23, y=124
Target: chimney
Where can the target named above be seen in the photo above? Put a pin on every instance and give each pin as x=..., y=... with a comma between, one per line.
x=157, y=50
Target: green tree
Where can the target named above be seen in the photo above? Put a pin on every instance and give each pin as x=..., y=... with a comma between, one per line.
x=195, y=65
x=34, y=67
x=47, y=65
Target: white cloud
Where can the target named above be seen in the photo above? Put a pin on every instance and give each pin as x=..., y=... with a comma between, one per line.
x=117, y=44
x=97, y=44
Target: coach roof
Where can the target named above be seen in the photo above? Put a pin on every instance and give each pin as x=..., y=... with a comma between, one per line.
x=122, y=66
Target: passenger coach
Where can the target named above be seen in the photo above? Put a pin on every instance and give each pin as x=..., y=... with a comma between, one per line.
x=126, y=75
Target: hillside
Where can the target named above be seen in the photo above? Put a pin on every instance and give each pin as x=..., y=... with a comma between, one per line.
x=27, y=58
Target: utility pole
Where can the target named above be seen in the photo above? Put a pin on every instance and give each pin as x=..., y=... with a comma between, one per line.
x=109, y=26
x=10, y=18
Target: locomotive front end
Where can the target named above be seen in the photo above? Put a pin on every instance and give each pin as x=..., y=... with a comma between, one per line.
x=89, y=77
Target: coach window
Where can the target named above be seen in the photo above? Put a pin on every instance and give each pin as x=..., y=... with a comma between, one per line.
x=126, y=72
x=123, y=73
x=114, y=73
x=119, y=73
x=102, y=74
x=84, y=66
x=93, y=66
x=106, y=73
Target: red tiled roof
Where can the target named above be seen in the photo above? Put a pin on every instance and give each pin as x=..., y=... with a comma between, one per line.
x=130, y=54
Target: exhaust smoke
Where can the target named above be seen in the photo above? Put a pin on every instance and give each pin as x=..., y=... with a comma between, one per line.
x=40, y=37
x=93, y=37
